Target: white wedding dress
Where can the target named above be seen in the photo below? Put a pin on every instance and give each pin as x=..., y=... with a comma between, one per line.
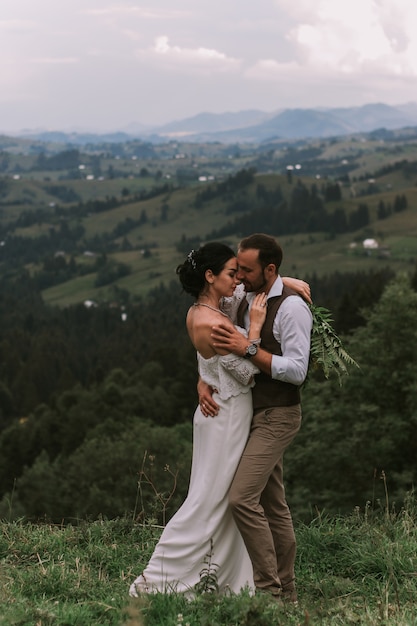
x=204, y=521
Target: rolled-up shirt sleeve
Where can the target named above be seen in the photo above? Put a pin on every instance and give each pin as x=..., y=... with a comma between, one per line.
x=292, y=328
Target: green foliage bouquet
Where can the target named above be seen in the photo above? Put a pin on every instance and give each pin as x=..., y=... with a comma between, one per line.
x=326, y=351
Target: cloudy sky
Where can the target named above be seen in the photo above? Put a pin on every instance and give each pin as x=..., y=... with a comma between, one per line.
x=104, y=64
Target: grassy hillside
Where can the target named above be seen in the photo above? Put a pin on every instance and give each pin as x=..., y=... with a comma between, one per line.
x=152, y=208
x=303, y=253
x=359, y=569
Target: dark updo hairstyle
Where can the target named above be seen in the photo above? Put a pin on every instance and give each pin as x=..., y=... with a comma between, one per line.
x=211, y=256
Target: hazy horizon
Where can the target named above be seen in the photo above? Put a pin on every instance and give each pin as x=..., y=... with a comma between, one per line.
x=102, y=65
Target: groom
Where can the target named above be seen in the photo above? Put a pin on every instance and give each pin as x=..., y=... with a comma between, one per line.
x=257, y=494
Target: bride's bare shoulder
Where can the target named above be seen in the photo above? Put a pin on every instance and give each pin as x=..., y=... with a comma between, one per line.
x=199, y=318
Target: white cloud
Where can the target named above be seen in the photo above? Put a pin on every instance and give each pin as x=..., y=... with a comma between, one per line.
x=359, y=37
x=187, y=58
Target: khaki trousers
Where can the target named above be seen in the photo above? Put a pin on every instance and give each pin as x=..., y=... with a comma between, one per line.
x=257, y=498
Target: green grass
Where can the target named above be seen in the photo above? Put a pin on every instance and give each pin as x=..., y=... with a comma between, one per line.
x=359, y=569
x=74, y=291
x=147, y=273
x=304, y=254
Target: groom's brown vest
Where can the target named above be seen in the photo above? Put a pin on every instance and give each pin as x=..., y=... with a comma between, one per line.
x=267, y=391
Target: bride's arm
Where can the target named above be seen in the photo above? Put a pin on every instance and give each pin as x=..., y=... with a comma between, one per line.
x=298, y=285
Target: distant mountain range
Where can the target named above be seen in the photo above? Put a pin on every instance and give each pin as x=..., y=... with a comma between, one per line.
x=253, y=126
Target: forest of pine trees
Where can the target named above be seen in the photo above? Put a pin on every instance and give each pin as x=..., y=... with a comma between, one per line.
x=85, y=398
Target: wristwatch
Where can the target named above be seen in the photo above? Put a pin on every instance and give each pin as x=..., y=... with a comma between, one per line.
x=251, y=350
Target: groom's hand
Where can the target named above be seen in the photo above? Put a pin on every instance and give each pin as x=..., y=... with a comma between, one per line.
x=228, y=338
x=208, y=406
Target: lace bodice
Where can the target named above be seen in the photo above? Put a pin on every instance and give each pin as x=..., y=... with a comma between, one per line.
x=228, y=374
x=231, y=305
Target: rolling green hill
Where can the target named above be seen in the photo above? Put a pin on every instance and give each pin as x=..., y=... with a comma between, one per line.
x=304, y=253
x=136, y=216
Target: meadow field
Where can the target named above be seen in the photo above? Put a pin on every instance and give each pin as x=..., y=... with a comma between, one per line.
x=356, y=569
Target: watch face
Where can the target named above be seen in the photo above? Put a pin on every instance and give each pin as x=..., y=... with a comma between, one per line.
x=252, y=349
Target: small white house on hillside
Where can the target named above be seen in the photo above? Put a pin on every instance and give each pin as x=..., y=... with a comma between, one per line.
x=370, y=244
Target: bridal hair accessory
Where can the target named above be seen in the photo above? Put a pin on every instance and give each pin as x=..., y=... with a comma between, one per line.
x=191, y=259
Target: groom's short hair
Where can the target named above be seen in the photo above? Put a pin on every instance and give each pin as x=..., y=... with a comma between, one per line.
x=269, y=250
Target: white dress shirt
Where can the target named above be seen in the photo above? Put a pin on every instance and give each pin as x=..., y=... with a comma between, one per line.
x=292, y=329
